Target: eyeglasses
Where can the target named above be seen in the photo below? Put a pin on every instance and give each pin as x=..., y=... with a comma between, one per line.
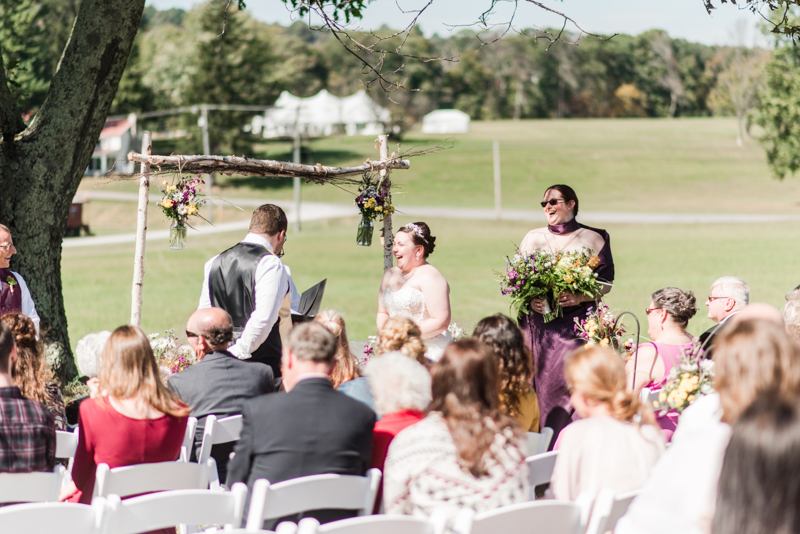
x=7, y=247
x=648, y=310
x=552, y=202
x=715, y=298
x=191, y=334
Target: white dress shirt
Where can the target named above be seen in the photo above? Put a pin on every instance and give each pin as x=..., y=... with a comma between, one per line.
x=272, y=284
x=28, y=307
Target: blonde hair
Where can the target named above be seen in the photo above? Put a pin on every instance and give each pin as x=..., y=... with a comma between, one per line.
x=129, y=369
x=750, y=358
x=401, y=333
x=345, y=367
x=599, y=374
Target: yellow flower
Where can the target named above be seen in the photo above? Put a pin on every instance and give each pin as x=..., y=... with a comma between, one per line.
x=164, y=183
x=191, y=209
x=604, y=342
x=690, y=398
x=167, y=203
x=379, y=208
x=662, y=397
x=568, y=278
x=686, y=375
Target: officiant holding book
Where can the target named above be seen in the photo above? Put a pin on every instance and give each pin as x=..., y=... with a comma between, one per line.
x=14, y=293
x=252, y=284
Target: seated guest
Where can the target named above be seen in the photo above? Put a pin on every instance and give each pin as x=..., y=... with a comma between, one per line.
x=513, y=359
x=89, y=353
x=729, y=295
x=27, y=430
x=466, y=454
x=667, y=316
x=791, y=313
x=311, y=430
x=31, y=373
x=402, y=394
x=751, y=358
x=345, y=376
x=134, y=419
x=605, y=448
x=402, y=334
x=758, y=484
x=219, y=382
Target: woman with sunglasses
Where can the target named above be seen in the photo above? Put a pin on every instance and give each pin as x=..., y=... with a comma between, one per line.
x=667, y=316
x=551, y=342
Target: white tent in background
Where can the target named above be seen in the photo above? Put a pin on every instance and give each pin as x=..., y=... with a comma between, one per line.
x=322, y=114
x=445, y=121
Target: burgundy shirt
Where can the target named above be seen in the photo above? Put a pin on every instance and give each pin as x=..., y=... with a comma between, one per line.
x=107, y=436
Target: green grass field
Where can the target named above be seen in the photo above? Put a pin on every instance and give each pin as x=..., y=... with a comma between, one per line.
x=615, y=165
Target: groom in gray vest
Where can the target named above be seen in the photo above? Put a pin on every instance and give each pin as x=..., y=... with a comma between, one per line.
x=250, y=282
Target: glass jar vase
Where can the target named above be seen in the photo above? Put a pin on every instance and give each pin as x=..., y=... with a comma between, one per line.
x=177, y=235
x=365, y=228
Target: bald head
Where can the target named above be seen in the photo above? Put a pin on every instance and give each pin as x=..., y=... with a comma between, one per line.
x=213, y=325
x=759, y=311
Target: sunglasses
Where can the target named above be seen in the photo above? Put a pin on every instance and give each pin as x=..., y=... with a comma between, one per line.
x=648, y=310
x=191, y=334
x=552, y=202
x=715, y=298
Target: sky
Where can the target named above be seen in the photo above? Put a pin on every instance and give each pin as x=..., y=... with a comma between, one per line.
x=686, y=19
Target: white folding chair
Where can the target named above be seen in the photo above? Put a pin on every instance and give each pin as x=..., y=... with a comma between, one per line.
x=219, y=431
x=649, y=397
x=552, y=517
x=61, y=517
x=171, y=508
x=31, y=487
x=337, y=492
x=188, y=439
x=538, y=442
x=540, y=470
x=608, y=509
x=148, y=478
x=383, y=524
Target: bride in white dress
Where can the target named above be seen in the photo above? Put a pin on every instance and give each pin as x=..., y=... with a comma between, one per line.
x=416, y=289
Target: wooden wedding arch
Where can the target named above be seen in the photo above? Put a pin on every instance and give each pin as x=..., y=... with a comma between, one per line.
x=235, y=165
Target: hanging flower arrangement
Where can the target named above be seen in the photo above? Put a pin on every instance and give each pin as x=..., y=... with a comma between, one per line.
x=181, y=200
x=374, y=203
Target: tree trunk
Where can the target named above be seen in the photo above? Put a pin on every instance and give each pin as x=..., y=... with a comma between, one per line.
x=42, y=167
x=740, y=131
x=673, y=104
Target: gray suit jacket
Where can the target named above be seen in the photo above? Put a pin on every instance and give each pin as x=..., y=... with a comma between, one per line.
x=219, y=385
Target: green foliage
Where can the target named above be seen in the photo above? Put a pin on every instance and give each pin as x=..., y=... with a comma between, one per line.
x=780, y=112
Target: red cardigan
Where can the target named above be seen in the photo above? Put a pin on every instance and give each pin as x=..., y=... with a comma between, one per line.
x=107, y=436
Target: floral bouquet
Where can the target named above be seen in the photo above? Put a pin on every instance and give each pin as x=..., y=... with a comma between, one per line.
x=597, y=328
x=524, y=280
x=687, y=382
x=546, y=276
x=171, y=356
x=181, y=200
x=456, y=331
x=373, y=203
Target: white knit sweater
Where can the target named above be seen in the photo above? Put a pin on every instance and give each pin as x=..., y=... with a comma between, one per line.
x=422, y=473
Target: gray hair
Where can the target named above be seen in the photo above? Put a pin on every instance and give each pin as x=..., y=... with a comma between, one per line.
x=733, y=287
x=89, y=351
x=313, y=342
x=398, y=383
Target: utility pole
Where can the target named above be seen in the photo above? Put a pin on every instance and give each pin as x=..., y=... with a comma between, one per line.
x=296, y=180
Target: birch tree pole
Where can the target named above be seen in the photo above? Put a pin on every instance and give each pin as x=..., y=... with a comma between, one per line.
x=141, y=233
x=386, y=186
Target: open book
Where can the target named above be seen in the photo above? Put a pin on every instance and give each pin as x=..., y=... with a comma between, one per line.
x=310, y=301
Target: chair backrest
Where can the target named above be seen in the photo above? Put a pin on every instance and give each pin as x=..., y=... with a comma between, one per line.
x=649, y=397
x=608, y=509
x=147, y=478
x=31, y=487
x=551, y=517
x=171, y=508
x=66, y=443
x=538, y=442
x=383, y=524
x=61, y=517
x=338, y=492
x=188, y=439
x=540, y=469
x=218, y=431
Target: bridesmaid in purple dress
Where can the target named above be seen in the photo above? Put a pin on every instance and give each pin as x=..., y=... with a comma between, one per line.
x=551, y=342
